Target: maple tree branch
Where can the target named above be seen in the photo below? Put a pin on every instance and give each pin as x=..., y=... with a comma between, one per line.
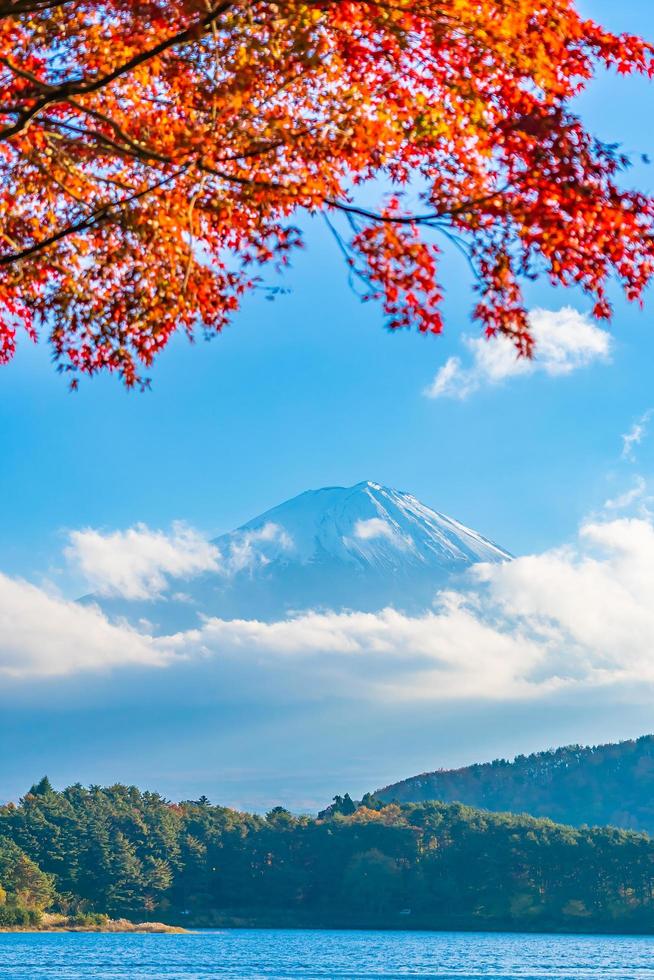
x=91, y=220
x=353, y=209
x=64, y=91
x=141, y=151
x=394, y=219
x=15, y=8
x=23, y=73
x=134, y=149
x=129, y=147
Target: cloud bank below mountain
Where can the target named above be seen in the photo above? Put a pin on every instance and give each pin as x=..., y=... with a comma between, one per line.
x=576, y=617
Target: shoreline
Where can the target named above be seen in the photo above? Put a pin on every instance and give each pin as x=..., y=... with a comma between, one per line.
x=160, y=928
x=59, y=924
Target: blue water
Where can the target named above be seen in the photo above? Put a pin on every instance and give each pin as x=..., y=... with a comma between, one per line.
x=286, y=955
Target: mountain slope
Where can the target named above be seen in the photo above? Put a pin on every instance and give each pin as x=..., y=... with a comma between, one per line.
x=368, y=525
x=363, y=547
x=609, y=784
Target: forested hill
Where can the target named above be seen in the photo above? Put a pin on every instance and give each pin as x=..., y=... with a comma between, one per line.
x=600, y=785
x=117, y=850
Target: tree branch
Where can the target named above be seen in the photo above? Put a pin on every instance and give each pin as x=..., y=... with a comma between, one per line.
x=91, y=220
x=62, y=92
x=16, y=8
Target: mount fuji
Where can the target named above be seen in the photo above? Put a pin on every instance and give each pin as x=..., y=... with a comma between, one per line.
x=363, y=547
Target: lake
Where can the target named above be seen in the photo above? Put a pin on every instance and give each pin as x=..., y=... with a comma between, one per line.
x=271, y=954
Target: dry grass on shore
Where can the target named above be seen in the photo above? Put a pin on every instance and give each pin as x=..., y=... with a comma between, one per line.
x=53, y=922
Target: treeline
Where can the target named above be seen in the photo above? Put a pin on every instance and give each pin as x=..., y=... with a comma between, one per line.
x=119, y=851
x=25, y=891
x=599, y=785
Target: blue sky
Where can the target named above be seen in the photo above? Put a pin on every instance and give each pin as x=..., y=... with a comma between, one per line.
x=309, y=391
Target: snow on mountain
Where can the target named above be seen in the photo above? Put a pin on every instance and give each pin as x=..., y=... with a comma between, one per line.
x=362, y=547
x=367, y=525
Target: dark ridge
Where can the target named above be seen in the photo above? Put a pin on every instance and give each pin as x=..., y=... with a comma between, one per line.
x=604, y=785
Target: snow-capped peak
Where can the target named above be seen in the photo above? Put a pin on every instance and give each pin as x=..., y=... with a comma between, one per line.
x=367, y=524
x=364, y=548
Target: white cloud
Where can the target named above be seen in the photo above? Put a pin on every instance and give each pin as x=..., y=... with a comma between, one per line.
x=580, y=617
x=625, y=500
x=373, y=528
x=245, y=551
x=42, y=635
x=594, y=602
x=635, y=436
x=453, y=379
x=566, y=340
x=573, y=618
x=137, y=563
x=447, y=653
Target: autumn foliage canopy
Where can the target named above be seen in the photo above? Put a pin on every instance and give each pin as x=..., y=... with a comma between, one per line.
x=155, y=158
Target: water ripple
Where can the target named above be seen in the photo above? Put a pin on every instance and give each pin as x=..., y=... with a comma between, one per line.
x=314, y=955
